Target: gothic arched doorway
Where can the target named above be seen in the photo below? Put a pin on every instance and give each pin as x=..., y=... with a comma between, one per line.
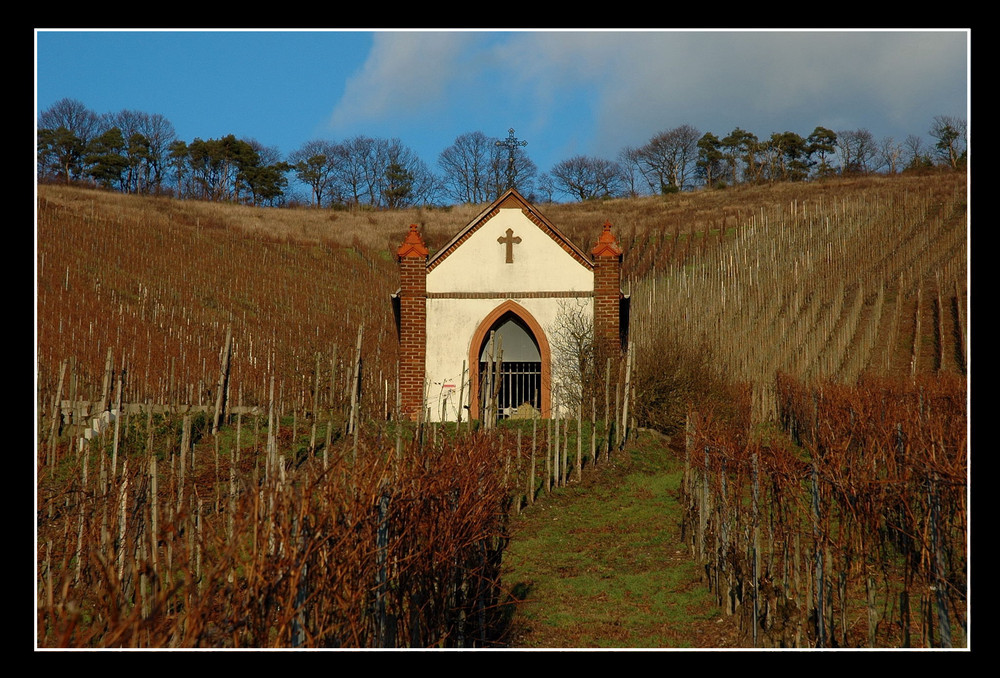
x=522, y=376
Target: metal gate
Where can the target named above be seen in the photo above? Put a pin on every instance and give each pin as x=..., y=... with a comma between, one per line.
x=513, y=383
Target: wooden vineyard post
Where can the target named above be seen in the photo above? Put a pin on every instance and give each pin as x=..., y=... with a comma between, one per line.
x=939, y=321
x=518, y=476
x=76, y=413
x=383, y=636
x=399, y=431
x=315, y=410
x=123, y=512
x=799, y=598
x=915, y=354
x=187, y=445
x=724, y=537
x=703, y=509
x=819, y=579
x=628, y=382
x=329, y=426
x=220, y=396
x=106, y=386
x=548, y=459
x=356, y=383
x=593, y=430
x=234, y=458
x=461, y=398
x=271, y=451
x=118, y=416
x=961, y=326
x=618, y=432
x=556, y=450
x=215, y=479
x=607, y=405
x=56, y=418
x=565, y=455
x=687, y=482
x=531, y=481
x=579, y=442
x=486, y=389
x=937, y=564
x=755, y=547
x=182, y=459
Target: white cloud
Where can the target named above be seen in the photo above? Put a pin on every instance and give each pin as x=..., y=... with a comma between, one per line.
x=618, y=88
x=405, y=72
x=778, y=81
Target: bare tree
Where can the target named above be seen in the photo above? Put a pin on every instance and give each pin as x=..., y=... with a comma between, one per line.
x=402, y=163
x=585, y=177
x=913, y=146
x=139, y=171
x=891, y=154
x=572, y=345
x=546, y=187
x=950, y=134
x=160, y=134
x=75, y=117
x=65, y=129
x=856, y=149
x=314, y=164
x=631, y=173
x=466, y=167
x=668, y=157
x=524, y=171
x=353, y=176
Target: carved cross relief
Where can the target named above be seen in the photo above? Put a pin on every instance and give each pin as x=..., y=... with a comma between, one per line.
x=509, y=240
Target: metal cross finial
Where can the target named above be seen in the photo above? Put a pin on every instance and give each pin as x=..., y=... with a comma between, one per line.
x=511, y=142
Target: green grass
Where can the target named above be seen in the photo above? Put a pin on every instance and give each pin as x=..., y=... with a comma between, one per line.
x=600, y=564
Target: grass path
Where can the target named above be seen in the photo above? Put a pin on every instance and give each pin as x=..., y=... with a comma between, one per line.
x=601, y=564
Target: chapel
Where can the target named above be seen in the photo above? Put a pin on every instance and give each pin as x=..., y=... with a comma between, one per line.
x=477, y=320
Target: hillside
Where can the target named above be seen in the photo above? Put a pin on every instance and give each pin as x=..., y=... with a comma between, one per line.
x=833, y=278
x=293, y=527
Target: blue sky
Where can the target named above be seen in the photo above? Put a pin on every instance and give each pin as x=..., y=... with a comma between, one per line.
x=565, y=92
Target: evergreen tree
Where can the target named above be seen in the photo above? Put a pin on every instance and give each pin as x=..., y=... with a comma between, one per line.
x=106, y=159
x=59, y=153
x=710, y=159
x=398, y=186
x=822, y=142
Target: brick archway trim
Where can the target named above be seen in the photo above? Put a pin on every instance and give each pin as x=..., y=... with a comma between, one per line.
x=479, y=336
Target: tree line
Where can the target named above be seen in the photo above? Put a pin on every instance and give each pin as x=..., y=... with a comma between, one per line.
x=683, y=158
x=136, y=152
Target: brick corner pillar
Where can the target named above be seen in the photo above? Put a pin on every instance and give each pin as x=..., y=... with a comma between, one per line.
x=607, y=257
x=412, y=257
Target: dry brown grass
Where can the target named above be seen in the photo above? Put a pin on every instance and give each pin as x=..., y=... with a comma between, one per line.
x=371, y=229
x=157, y=280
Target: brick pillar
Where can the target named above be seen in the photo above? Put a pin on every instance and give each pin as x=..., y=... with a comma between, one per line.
x=412, y=257
x=607, y=257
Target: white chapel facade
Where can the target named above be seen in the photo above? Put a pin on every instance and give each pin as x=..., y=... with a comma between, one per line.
x=511, y=274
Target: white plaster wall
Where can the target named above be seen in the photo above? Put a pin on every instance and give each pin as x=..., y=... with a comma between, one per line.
x=479, y=265
x=450, y=326
x=540, y=263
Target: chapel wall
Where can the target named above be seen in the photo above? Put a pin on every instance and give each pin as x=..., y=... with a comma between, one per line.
x=451, y=324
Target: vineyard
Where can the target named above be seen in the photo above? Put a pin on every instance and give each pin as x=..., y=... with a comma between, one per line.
x=250, y=483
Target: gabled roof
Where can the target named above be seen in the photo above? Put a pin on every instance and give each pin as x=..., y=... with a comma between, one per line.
x=510, y=199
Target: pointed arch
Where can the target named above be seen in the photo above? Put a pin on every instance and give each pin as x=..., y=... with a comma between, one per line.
x=479, y=336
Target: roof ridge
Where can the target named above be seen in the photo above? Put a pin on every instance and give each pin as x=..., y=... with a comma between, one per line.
x=510, y=199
